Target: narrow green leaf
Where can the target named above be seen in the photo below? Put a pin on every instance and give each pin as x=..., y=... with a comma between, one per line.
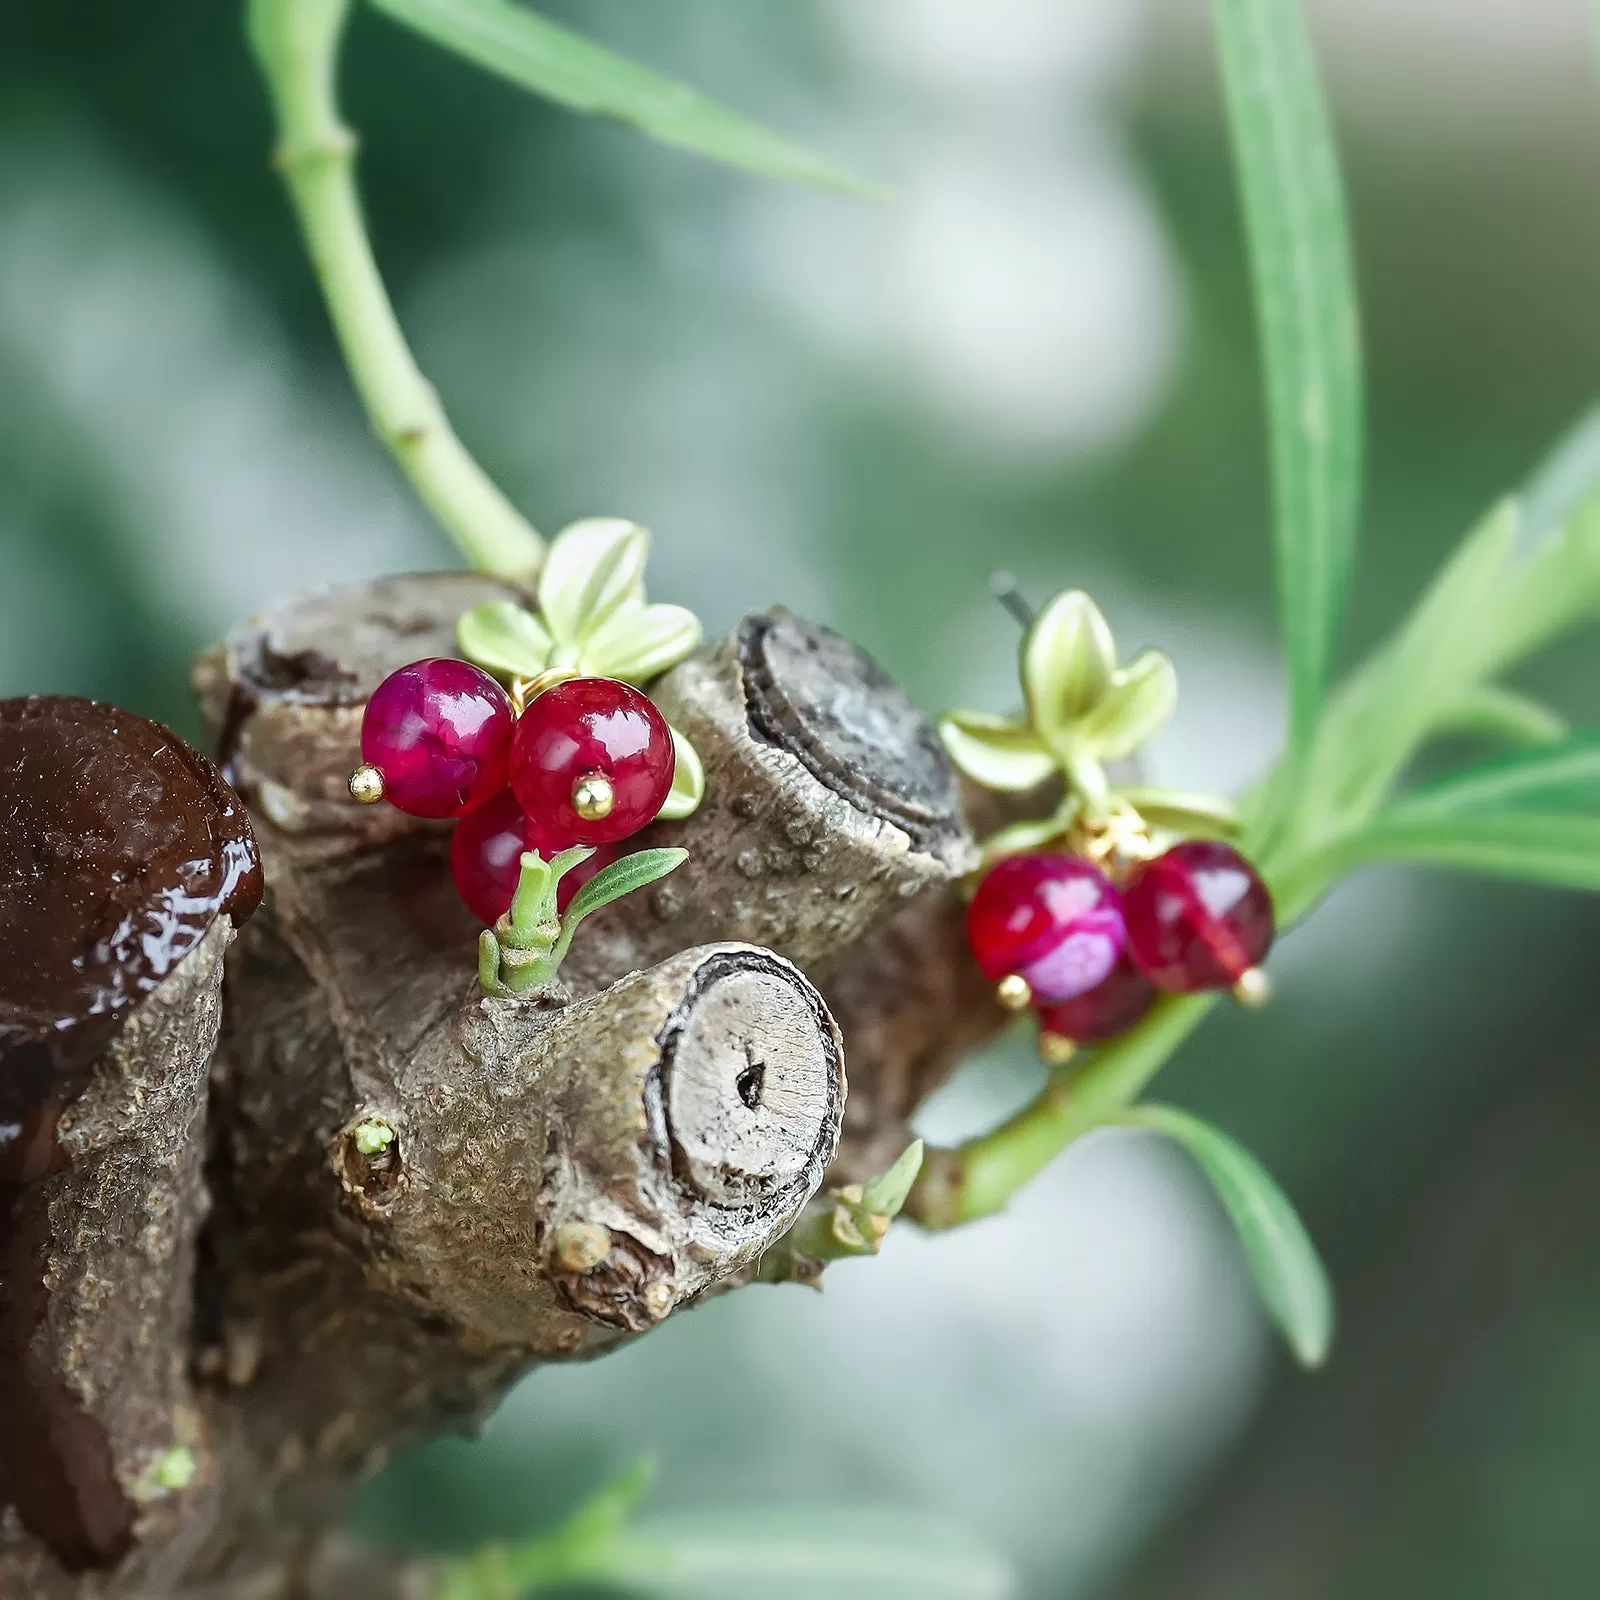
x=1555, y=848
x=998, y=752
x=1305, y=297
x=886, y=1193
x=1555, y=589
x=1562, y=776
x=538, y=55
x=620, y=878
x=1498, y=713
x=1288, y=1273
x=800, y=1554
x=1183, y=810
x=688, y=781
x=1567, y=477
x=502, y=638
x=1393, y=702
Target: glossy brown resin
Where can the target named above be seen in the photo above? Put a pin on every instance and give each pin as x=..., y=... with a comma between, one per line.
x=119, y=847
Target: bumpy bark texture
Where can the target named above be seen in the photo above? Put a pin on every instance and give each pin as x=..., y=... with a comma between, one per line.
x=412, y=1192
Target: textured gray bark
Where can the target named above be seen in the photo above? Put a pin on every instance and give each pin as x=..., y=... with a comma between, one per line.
x=560, y=1175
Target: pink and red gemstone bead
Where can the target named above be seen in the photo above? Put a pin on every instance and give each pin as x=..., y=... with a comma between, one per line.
x=1198, y=917
x=1054, y=920
x=1118, y=1001
x=444, y=739
x=592, y=727
x=486, y=857
x=440, y=733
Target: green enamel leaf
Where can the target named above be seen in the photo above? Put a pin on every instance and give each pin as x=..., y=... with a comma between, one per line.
x=1554, y=590
x=593, y=570
x=886, y=1194
x=1288, y=1273
x=621, y=877
x=538, y=55
x=997, y=752
x=1305, y=299
x=639, y=642
x=1068, y=659
x=1560, y=776
x=1137, y=704
x=502, y=638
x=1182, y=811
x=688, y=781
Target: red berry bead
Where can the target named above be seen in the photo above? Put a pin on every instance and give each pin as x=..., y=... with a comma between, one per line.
x=1053, y=920
x=1199, y=917
x=1111, y=1007
x=439, y=732
x=592, y=760
x=486, y=857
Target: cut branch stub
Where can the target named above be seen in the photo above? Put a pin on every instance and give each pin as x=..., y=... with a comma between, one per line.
x=124, y=863
x=283, y=696
x=829, y=805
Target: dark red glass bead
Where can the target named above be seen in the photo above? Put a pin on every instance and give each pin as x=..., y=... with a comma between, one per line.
x=1053, y=919
x=440, y=733
x=1199, y=917
x=1113, y=1006
x=486, y=857
x=584, y=728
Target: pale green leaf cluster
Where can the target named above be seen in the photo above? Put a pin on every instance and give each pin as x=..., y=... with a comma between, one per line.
x=523, y=952
x=1082, y=708
x=593, y=618
x=548, y=60
x=793, y=1553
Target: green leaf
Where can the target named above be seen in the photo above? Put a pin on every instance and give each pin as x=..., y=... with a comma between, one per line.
x=886, y=1194
x=1068, y=656
x=640, y=642
x=1555, y=589
x=1391, y=705
x=800, y=1554
x=1498, y=713
x=1029, y=834
x=502, y=638
x=536, y=54
x=1288, y=1273
x=1138, y=702
x=620, y=878
x=1552, y=777
x=1306, y=312
x=593, y=570
x=1567, y=477
x=1183, y=811
x=1555, y=848
x=998, y=752
x=688, y=781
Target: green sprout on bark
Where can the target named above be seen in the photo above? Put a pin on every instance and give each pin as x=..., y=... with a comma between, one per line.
x=523, y=952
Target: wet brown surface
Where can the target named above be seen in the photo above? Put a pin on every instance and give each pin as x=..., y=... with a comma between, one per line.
x=119, y=846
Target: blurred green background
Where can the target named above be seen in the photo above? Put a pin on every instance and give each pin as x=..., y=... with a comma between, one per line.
x=1039, y=356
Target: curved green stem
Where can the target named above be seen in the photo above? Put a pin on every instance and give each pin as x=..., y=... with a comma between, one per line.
x=296, y=43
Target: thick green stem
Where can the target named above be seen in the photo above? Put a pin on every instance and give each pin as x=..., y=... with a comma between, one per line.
x=297, y=45
x=978, y=1179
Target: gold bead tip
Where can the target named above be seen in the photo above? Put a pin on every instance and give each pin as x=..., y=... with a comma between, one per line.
x=1254, y=988
x=593, y=798
x=1014, y=992
x=1056, y=1049
x=366, y=785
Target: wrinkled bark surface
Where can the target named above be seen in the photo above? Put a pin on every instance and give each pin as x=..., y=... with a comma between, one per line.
x=413, y=1192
